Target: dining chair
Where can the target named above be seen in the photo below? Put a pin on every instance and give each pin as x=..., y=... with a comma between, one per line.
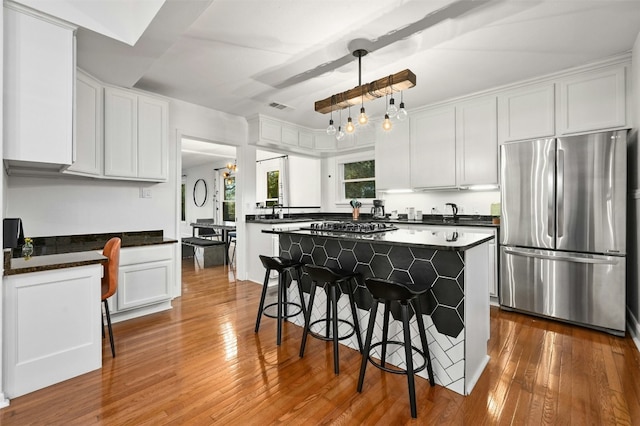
x=110, y=282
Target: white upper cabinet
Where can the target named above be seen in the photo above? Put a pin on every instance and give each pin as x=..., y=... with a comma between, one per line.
x=266, y=131
x=592, y=101
x=39, y=74
x=477, y=142
x=135, y=135
x=89, y=129
x=433, y=148
x=527, y=113
x=392, y=154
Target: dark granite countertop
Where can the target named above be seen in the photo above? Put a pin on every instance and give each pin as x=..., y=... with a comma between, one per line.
x=429, y=237
x=67, y=251
x=53, y=261
x=431, y=220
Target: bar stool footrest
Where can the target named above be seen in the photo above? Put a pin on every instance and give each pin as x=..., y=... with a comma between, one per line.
x=289, y=315
x=397, y=370
x=329, y=339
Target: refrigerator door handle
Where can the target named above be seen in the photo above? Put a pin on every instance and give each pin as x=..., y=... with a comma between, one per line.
x=537, y=254
x=550, y=203
x=560, y=196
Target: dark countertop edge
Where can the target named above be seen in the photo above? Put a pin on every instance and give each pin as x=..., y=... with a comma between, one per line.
x=59, y=261
x=390, y=243
x=430, y=220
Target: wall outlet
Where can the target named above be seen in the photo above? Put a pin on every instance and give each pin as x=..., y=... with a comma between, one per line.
x=145, y=192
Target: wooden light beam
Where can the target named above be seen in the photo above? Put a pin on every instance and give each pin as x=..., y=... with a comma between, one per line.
x=402, y=80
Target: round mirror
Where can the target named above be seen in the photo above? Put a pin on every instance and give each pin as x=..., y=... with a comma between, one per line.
x=200, y=193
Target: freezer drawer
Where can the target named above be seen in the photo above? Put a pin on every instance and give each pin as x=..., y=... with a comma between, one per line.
x=580, y=288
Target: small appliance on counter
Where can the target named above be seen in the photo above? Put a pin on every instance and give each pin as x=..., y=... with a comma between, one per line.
x=13, y=234
x=377, y=211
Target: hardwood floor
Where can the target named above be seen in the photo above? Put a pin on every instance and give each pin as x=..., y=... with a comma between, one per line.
x=201, y=363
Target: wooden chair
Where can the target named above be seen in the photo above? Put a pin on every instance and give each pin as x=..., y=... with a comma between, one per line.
x=110, y=281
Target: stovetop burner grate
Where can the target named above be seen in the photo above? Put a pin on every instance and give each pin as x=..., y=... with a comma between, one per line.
x=353, y=227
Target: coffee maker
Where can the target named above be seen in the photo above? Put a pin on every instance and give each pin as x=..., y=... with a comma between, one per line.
x=377, y=211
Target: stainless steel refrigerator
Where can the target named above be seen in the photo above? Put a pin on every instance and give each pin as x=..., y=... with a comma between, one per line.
x=563, y=228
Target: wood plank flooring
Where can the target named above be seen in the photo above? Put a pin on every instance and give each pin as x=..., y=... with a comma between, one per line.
x=202, y=364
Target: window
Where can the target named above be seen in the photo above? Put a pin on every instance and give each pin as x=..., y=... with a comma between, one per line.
x=359, y=179
x=229, y=201
x=273, y=191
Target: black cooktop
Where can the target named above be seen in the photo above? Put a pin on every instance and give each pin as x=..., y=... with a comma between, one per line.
x=354, y=227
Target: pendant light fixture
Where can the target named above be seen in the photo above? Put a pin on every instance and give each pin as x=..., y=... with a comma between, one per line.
x=386, y=124
x=331, y=130
x=350, y=128
x=340, y=134
x=385, y=86
x=402, y=112
x=362, y=118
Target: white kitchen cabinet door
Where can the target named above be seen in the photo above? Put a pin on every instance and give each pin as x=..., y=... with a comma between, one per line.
x=493, y=269
x=89, y=127
x=527, y=113
x=592, y=101
x=392, y=154
x=477, y=142
x=52, y=327
x=120, y=133
x=325, y=142
x=289, y=135
x=39, y=74
x=153, y=126
x=135, y=136
x=305, y=139
x=145, y=276
x=433, y=148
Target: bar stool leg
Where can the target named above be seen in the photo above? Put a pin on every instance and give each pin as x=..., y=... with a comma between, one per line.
x=334, y=305
x=285, y=305
x=409, y=359
x=281, y=290
x=300, y=293
x=354, y=312
x=423, y=339
x=327, y=327
x=262, y=297
x=367, y=343
x=307, y=320
x=385, y=332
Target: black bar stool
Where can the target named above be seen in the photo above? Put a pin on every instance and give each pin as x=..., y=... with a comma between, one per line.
x=385, y=291
x=281, y=265
x=333, y=278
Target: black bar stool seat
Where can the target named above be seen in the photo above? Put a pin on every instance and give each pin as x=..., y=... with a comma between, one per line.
x=282, y=266
x=333, y=278
x=386, y=291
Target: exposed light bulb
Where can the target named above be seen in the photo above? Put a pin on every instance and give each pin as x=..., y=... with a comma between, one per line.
x=350, y=128
x=331, y=130
x=386, y=124
x=363, y=119
x=402, y=113
x=392, y=110
x=340, y=134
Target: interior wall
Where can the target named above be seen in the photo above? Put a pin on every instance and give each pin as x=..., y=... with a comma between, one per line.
x=304, y=180
x=193, y=212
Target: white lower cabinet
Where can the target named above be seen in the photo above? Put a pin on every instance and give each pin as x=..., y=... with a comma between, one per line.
x=145, y=279
x=51, y=327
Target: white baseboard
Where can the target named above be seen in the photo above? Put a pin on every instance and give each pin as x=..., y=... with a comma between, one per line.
x=4, y=402
x=634, y=328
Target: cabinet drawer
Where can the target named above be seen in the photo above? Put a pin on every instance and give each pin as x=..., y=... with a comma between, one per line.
x=135, y=255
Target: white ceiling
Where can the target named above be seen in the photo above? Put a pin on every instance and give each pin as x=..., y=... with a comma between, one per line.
x=238, y=56
x=196, y=153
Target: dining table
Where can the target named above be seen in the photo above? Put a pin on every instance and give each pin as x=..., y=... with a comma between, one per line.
x=226, y=229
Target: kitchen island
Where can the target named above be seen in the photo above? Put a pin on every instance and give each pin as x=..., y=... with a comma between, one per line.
x=456, y=308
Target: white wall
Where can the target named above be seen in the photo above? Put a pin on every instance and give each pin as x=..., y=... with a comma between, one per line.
x=304, y=180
